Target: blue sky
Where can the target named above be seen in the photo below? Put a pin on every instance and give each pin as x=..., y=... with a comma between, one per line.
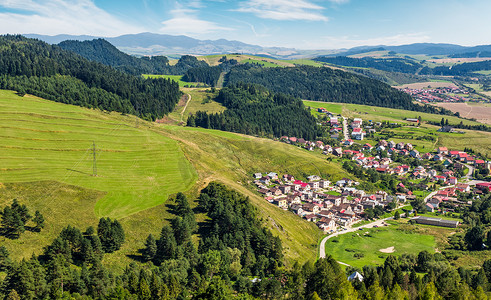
x=301, y=24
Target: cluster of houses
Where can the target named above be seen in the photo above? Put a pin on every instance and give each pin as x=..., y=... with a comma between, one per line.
x=309, y=145
x=327, y=204
x=443, y=94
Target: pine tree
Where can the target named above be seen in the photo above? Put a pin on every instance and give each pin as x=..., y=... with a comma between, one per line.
x=166, y=245
x=181, y=229
x=150, y=248
x=5, y=261
x=111, y=234
x=144, y=292
x=38, y=220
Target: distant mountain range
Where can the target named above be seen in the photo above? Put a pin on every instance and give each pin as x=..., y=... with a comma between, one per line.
x=170, y=45
x=175, y=46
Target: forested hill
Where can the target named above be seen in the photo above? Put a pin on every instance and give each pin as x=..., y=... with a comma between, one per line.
x=253, y=110
x=326, y=84
x=401, y=65
x=102, y=51
x=34, y=67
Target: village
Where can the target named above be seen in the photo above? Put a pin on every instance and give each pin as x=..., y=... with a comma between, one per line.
x=440, y=94
x=436, y=177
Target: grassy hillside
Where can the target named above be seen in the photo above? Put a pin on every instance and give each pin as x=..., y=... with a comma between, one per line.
x=44, y=140
x=46, y=163
x=213, y=60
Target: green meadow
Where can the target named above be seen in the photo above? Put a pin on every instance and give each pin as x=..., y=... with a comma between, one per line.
x=136, y=168
x=369, y=242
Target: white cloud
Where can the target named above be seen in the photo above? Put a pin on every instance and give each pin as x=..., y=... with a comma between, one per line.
x=186, y=22
x=61, y=16
x=283, y=9
x=339, y=1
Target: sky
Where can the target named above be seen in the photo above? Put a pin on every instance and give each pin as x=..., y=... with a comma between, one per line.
x=300, y=24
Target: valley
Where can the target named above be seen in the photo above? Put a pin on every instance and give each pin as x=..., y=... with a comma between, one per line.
x=172, y=178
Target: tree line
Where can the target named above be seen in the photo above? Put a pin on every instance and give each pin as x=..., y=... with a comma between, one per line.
x=461, y=125
x=32, y=66
x=400, y=65
x=457, y=69
x=253, y=110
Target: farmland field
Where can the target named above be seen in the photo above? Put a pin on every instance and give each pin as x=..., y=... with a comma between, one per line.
x=482, y=113
x=430, y=84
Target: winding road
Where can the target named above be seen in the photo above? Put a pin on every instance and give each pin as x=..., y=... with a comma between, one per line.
x=186, y=106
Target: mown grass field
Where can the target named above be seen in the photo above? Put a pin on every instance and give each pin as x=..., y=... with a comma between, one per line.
x=136, y=168
x=201, y=100
x=213, y=60
x=377, y=238
x=46, y=162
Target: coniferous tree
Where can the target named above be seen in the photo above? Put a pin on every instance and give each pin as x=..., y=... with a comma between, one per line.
x=150, y=248
x=166, y=245
x=38, y=220
x=111, y=234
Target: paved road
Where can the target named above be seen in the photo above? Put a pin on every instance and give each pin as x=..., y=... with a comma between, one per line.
x=322, y=250
x=470, y=173
x=345, y=128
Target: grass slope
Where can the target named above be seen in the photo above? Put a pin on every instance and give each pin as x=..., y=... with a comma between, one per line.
x=43, y=140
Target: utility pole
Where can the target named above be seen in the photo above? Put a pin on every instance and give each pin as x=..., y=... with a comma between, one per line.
x=94, y=164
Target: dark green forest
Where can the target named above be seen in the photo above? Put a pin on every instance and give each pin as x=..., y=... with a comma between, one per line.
x=34, y=67
x=401, y=65
x=458, y=69
x=253, y=110
x=326, y=84
x=208, y=75
x=237, y=258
